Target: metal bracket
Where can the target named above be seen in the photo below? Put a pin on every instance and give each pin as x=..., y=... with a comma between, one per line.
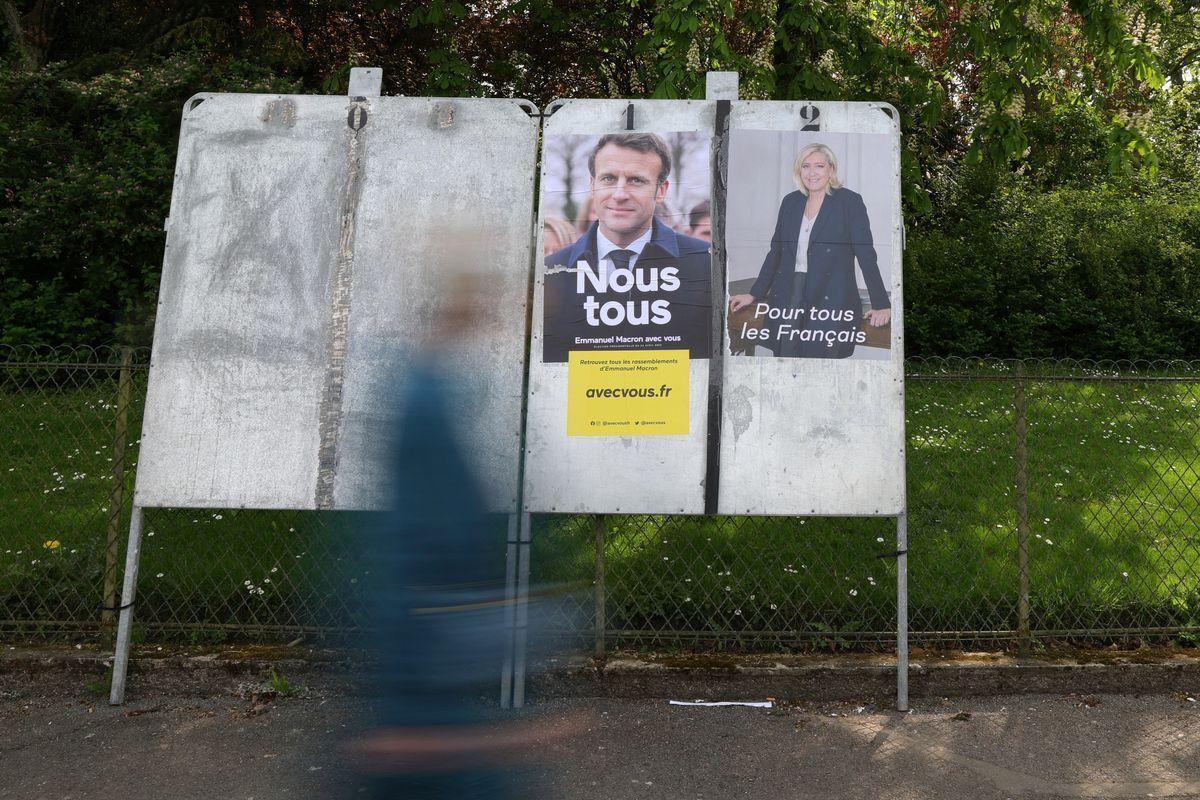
x=365, y=82
x=721, y=86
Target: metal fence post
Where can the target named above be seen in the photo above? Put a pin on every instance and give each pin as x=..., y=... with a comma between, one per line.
x=116, y=500
x=1024, y=637
x=601, y=620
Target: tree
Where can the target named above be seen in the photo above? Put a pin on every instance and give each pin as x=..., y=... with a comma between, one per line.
x=997, y=97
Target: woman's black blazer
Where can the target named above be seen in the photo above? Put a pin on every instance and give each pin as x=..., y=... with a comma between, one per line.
x=840, y=234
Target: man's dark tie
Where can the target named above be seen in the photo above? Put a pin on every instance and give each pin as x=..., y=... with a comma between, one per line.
x=620, y=258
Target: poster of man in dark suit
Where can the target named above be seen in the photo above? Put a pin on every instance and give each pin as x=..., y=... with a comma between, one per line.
x=633, y=279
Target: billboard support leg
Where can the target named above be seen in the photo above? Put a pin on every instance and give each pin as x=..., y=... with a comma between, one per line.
x=902, y=611
x=510, y=616
x=522, y=613
x=133, y=554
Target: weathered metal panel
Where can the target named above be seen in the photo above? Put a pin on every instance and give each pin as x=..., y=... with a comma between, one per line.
x=304, y=233
x=651, y=474
x=804, y=436
x=243, y=314
x=446, y=207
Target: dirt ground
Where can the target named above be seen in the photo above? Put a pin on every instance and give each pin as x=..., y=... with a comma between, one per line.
x=207, y=733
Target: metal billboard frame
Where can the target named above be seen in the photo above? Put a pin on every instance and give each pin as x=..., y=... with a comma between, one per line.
x=345, y=359
x=722, y=89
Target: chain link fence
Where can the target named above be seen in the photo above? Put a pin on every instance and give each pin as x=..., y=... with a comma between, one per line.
x=68, y=422
x=1049, y=502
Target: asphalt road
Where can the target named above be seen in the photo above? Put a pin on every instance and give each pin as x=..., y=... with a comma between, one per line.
x=181, y=736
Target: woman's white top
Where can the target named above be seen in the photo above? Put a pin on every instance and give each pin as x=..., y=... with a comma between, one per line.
x=806, y=226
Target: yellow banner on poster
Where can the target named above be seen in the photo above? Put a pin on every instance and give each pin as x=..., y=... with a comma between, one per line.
x=627, y=393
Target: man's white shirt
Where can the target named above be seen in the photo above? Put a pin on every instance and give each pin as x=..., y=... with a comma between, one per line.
x=604, y=247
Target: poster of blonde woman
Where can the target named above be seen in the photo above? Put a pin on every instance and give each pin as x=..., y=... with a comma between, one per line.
x=809, y=237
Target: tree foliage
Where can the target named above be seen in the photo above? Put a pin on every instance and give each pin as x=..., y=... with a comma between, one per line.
x=1009, y=107
x=1015, y=270
x=86, y=165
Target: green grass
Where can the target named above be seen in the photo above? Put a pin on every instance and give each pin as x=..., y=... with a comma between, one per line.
x=1112, y=518
x=55, y=480
x=279, y=683
x=206, y=576
x=1114, y=539
x=1113, y=536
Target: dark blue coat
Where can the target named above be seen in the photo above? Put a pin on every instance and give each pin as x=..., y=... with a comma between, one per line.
x=840, y=234
x=435, y=593
x=691, y=304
